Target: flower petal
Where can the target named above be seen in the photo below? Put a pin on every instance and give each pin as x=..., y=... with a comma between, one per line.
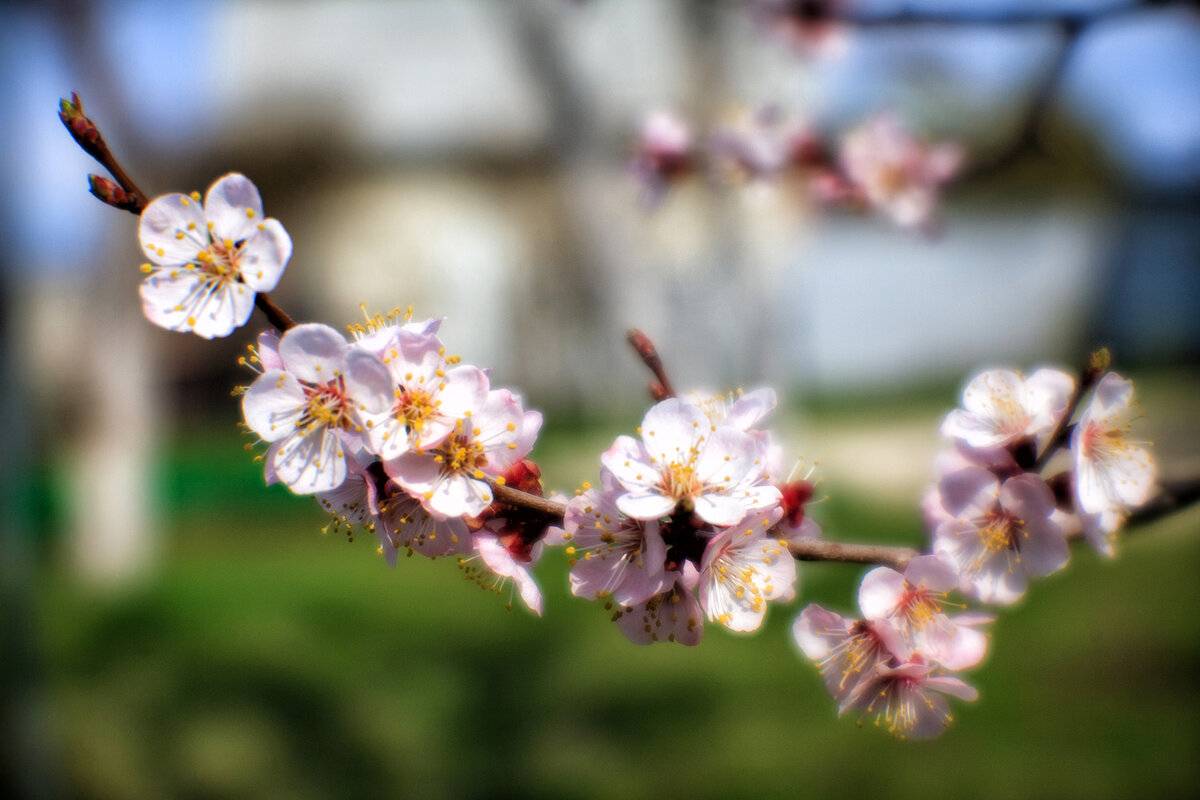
x=263, y=258
x=226, y=206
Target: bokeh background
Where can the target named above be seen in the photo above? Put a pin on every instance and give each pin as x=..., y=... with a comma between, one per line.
x=174, y=629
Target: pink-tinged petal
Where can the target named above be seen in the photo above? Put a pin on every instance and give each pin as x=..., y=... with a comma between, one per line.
x=264, y=256
x=729, y=457
x=1043, y=547
x=818, y=630
x=268, y=351
x=161, y=223
x=717, y=509
x=465, y=388
x=952, y=686
x=673, y=616
x=459, y=496
x=368, y=384
x=1027, y=496
x=971, y=489
x=629, y=464
x=933, y=572
x=273, y=405
x=671, y=428
x=269, y=473
x=501, y=562
x=972, y=429
x=1099, y=530
x=880, y=592
x=164, y=295
x=751, y=409
x=226, y=206
x=529, y=427
x=961, y=648
x=1134, y=476
x=416, y=472
x=646, y=506
x=1047, y=392
x=993, y=391
x=315, y=462
x=387, y=435
x=313, y=352
x=758, y=498
x=1112, y=396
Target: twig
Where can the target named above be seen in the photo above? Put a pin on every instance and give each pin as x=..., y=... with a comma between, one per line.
x=1088, y=376
x=1174, y=496
x=661, y=389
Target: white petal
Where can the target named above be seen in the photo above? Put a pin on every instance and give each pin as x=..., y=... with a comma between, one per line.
x=312, y=462
x=264, y=256
x=312, y=352
x=273, y=405
x=880, y=592
x=369, y=387
x=161, y=222
x=226, y=205
x=671, y=428
x=751, y=408
x=647, y=506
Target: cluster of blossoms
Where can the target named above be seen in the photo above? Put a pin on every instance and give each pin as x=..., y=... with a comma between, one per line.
x=388, y=432
x=687, y=524
x=878, y=165
x=996, y=521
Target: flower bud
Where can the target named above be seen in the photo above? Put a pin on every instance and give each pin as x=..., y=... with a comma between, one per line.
x=110, y=192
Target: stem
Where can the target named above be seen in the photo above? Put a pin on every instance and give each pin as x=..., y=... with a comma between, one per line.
x=1088, y=376
x=1174, y=496
x=274, y=314
x=661, y=389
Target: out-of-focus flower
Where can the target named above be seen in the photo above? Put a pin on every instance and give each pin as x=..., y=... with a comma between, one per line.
x=673, y=615
x=1000, y=407
x=845, y=650
x=763, y=147
x=914, y=602
x=662, y=156
x=1112, y=473
x=313, y=408
x=683, y=461
x=897, y=174
x=907, y=699
x=743, y=568
x=808, y=25
x=507, y=556
x=997, y=535
x=208, y=261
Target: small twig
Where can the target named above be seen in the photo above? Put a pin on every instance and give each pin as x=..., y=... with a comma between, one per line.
x=820, y=550
x=1088, y=376
x=274, y=314
x=88, y=137
x=553, y=510
x=661, y=389
x=1174, y=496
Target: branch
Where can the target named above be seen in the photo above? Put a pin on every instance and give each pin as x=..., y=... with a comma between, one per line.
x=1096, y=367
x=661, y=388
x=1174, y=496
x=125, y=195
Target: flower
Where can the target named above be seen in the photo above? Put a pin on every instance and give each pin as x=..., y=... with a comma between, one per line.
x=686, y=462
x=312, y=408
x=430, y=395
x=743, y=568
x=1000, y=407
x=907, y=699
x=404, y=523
x=896, y=174
x=998, y=535
x=663, y=155
x=846, y=649
x=613, y=555
x=207, y=262
x=913, y=602
x=1112, y=473
x=507, y=556
x=451, y=478
x=672, y=615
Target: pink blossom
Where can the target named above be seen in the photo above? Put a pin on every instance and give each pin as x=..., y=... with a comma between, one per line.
x=451, y=478
x=313, y=408
x=907, y=699
x=430, y=395
x=914, y=602
x=743, y=568
x=208, y=261
x=507, y=557
x=999, y=535
x=1000, y=407
x=683, y=461
x=672, y=615
x=663, y=154
x=402, y=522
x=613, y=555
x=896, y=174
x=1112, y=473
x=845, y=650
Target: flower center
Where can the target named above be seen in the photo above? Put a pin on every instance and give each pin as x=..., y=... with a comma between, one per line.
x=326, y=406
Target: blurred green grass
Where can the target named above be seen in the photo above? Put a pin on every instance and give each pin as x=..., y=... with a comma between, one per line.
x=265, y=660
